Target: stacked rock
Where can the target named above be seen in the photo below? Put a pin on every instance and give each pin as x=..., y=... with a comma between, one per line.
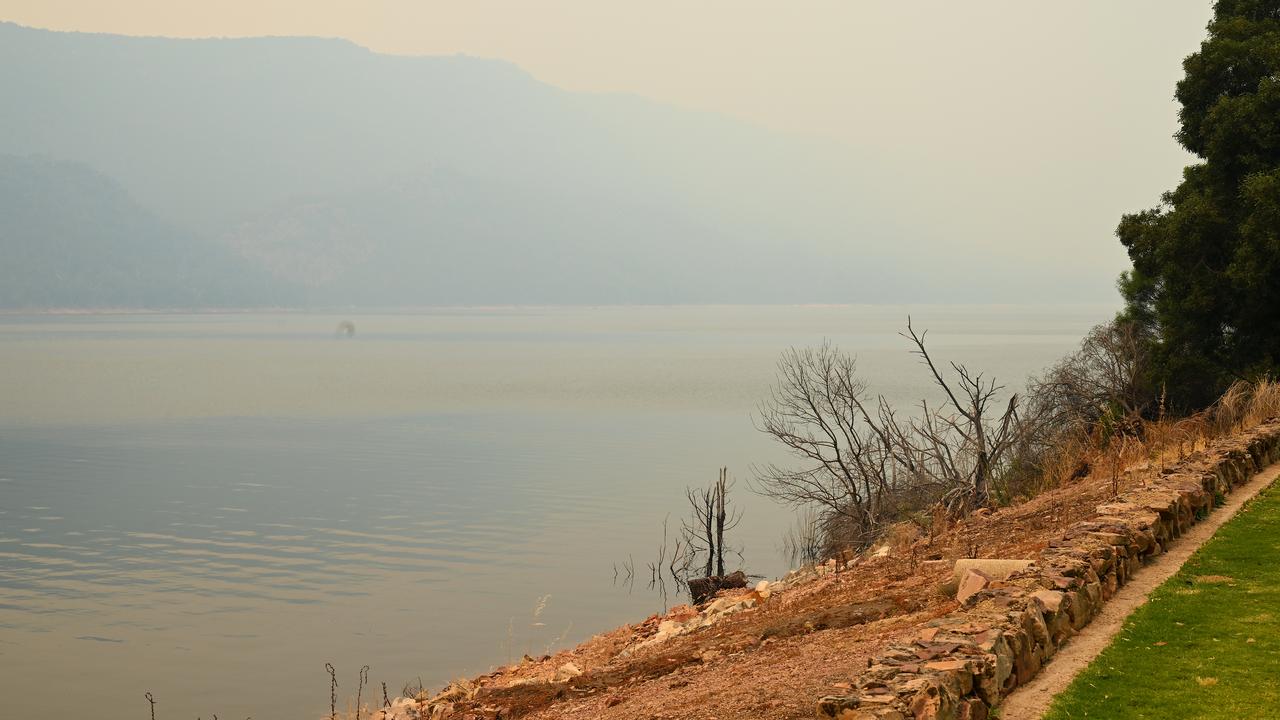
x=961, y=665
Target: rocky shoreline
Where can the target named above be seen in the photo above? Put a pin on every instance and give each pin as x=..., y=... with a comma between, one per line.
x=960, y=666
x=914, y=629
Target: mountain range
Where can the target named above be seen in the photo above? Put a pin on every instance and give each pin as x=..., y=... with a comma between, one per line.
x=309, y=172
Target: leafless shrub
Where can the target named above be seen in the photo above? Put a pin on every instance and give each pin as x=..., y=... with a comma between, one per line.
x=624, y=573
x=1103, y=383
x=710, y=517
x=333, y=691
x=966, y=446
x=817, y=410
x=674, y=560
x=364, y=678
x=411, y=690
x=699, y=547
x=864, y=466
x=804, y=543
x=1080, y=406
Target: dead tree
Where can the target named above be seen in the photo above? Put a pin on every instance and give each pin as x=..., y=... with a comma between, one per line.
x=1102, y=385
x=721, y=498
x=819, y=411
x=862, y=465
x=711, y=517
x=699, y=530
x=966, y=445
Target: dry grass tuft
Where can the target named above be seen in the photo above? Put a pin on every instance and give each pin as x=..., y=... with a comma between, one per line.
x=1150, y=446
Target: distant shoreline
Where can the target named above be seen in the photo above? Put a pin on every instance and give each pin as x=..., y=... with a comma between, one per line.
x=414, y=309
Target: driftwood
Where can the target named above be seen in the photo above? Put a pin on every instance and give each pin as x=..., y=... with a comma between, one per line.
x=704, y=588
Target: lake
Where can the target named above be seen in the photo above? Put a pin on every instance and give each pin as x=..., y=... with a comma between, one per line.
x=210, y=507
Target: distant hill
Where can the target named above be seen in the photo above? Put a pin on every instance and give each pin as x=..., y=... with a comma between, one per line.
x=71, y=237
x=352, y=178
x=438, y=237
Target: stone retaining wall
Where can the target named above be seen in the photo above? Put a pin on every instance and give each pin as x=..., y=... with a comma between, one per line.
x=961, y=665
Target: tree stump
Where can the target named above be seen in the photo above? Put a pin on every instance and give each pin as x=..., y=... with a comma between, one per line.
x=704, y=588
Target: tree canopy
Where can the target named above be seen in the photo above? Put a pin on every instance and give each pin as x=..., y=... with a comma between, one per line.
x=1206, y=262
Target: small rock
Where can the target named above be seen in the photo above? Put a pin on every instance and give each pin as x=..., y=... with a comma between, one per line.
x=995, y=568
x=973, y=582
x=726, y=606
x=946, y=665
x=566, y=672
x=457, y=690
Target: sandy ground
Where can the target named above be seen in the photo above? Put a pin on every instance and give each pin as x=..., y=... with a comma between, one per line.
x=807, y=641
x=1032, y=700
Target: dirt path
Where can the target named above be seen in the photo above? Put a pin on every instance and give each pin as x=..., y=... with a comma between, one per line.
x=1030, y=701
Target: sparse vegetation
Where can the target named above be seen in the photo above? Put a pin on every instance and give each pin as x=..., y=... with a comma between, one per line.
x=802, y=543
x=1102, y=386
x=695, y=559
x=866, y=467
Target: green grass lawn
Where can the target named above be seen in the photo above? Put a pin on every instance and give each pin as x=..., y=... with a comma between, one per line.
x=1207, y=645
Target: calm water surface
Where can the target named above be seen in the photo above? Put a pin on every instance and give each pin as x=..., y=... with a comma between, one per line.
x=211, y=507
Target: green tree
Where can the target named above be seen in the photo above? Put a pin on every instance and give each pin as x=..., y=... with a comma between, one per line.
x=1206, y=263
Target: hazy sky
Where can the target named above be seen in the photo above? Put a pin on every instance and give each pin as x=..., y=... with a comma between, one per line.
x=1030, y=125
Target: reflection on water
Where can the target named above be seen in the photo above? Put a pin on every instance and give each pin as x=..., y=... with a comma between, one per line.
x=212, y=507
